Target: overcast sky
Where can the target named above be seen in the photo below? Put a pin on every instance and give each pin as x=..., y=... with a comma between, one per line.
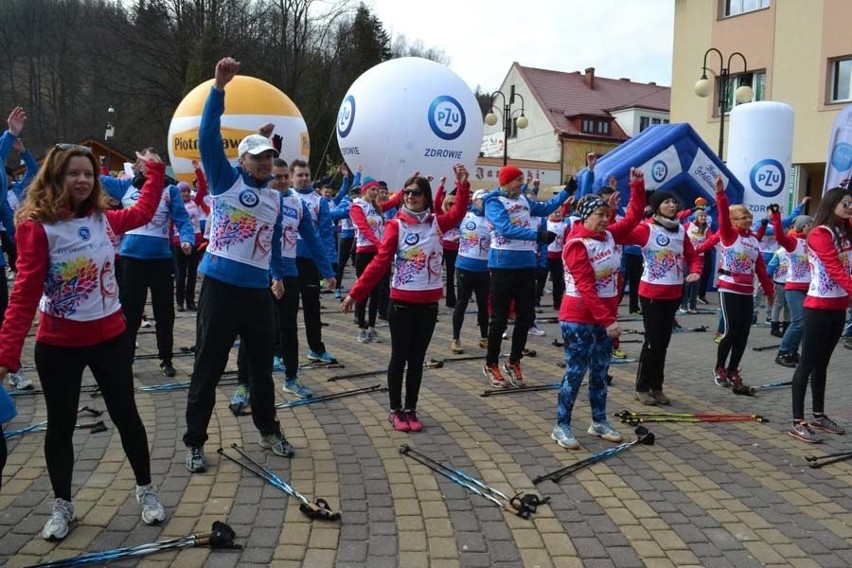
x=619, y=38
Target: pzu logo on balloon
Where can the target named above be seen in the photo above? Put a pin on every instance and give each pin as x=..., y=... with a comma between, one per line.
x=446, y=117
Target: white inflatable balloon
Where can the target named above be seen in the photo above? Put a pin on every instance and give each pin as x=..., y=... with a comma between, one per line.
x=406, y=115
x=249, y=103
x=760, y=151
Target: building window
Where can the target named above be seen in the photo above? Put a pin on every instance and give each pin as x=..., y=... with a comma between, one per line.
x=513, y=130
x=644, y=122
x=603, y=127
x=595, y=126
x=756, y=80
x=736, y=7
x=588, y=125
x=841, y=80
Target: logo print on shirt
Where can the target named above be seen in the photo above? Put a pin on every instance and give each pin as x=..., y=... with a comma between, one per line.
x=411, y=239
x=249, y=198
x=470, y=225
x=663, y=240
x=84, y=233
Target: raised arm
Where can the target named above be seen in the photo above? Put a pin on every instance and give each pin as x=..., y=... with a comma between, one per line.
x=216, y=165
x=124, y=220
x=727, y=233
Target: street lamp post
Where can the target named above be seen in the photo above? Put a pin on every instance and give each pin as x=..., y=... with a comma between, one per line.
x=110, y=129
x=703, y=88
x=508, y=116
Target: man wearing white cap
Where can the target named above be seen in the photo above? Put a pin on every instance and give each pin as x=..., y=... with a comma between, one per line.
x=244, y=247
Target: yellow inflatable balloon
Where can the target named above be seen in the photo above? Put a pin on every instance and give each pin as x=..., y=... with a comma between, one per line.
x=249, y=103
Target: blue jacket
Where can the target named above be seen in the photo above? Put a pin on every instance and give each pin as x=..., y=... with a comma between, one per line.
x=221, y=175
x=6, y=215
x=325, y=229
x=20, y=187
x=496, y=214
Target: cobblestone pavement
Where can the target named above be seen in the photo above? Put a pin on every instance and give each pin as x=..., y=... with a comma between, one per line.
x=731, y=494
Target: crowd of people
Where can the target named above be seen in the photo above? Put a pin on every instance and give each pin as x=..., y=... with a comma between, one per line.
x=266, y=238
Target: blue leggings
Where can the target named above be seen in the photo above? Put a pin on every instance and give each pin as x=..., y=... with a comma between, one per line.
x=587, y=346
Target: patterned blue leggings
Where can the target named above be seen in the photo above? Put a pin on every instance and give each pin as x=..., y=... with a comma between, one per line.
x=587, y=346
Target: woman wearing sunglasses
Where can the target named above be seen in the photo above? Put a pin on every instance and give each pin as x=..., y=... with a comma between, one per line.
x=412, y=241
x=66, y=269
x=830, y=255
x=740, y=261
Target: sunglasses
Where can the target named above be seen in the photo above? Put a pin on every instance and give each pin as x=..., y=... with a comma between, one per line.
x=415, y=192
x=64, y=147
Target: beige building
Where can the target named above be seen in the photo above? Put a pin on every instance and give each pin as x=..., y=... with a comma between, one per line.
x=798, y=52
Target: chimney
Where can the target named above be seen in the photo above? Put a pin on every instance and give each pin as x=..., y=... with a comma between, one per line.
x=589, y=77
x=653, y=84
x=625, y=79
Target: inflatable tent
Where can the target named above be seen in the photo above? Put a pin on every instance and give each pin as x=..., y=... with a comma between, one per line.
x=674, y=158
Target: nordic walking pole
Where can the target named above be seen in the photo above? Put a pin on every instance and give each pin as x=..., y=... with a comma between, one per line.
x=431, y=364
x=221, y=537
x=520, y=502
x=643, y=436
x=775, y=385
x=817, y=462
x=315, y=399
x=534, y=388
x=42, y=426
x=318, y=509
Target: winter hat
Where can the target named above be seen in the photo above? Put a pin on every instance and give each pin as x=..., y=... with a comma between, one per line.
x=802, y=221
x=183, y=185
x=700, y=203
x=656, y=199
x=368, y=183
x=588, y=206
x=509, y=174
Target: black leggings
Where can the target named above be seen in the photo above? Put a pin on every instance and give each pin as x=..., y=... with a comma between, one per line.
x=658, y=317
x=736, y=326
x=362, y=259
x=450, y=256
x=186, y=273
x=823, y=329
x=344, y=251
x=557, y=280
x=411, y=327
x=633, y=266
x=509, y=284
x=60, y=370
x=156, y=274
x=470, y=283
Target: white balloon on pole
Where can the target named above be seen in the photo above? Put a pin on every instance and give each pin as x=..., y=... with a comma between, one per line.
x=406, y=115
x=760, y=152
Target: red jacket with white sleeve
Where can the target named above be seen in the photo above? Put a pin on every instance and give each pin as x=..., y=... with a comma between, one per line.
x=37, y=270
x=389, y=251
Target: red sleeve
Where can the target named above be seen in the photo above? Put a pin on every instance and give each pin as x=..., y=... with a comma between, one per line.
x=452, y=219
x=29, y=286
x=356, y=213
x=693, y=259
x=379, y=265
x=123, y=220
x=711, y=241
x=576, y=260
x=682, y=215
x=761, y=232
x=821, y=241
x=201, y=190
x=104, y=170
x=393, y=201
x=438, y=201
x=635, y=210
x=765, y=282
x=727, y=233
x=789, y=243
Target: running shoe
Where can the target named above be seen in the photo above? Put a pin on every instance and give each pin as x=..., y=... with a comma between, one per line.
x=826, y=424
x=635, y=312
x=703, y=300
x=277, y=364
x=660, y=397
x=414, y=424
x=59, y=523
x=803, y=432
x=516, y=376
x=682, y=311
x=494, y=376
x=605, y=431
x=324, y=357
x=145, y=322
x=536, y=331
x=717, y=338
x=720, y=377
x=153, y=511
x=196, y=461
x=338, y=294
x=167, y=369
x=19, y=380
x=373, y=336
x=241, y=397
x=619, y=354
x=362, y=336
x=483, y=343
x=455, y=347
x=646, y=398
x=399, y=421
x=786, y=360
x=294, y=386
x=278, y=444
x=563, y=436
x=734, y=378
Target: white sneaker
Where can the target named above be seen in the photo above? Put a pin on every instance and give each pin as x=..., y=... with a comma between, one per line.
x=373, y=336
x=19, y=380
x=362, y=336
x=59, y=523
x=535, y=331
x=152, y=510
